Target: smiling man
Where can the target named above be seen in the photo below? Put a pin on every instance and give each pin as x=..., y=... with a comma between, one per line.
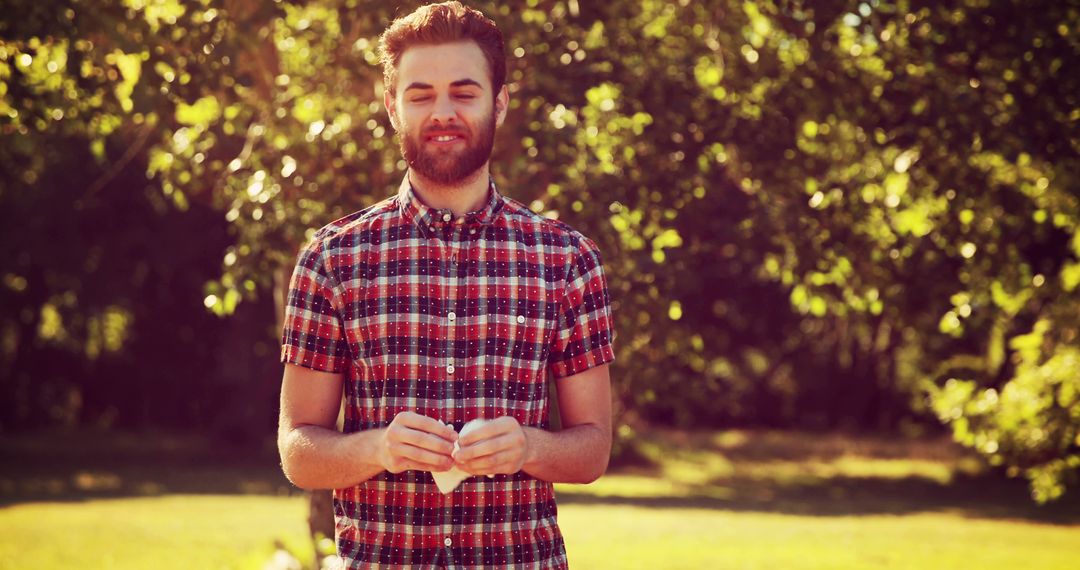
x=444, y=304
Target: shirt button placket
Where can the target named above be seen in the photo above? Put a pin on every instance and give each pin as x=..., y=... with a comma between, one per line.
x=451, y=316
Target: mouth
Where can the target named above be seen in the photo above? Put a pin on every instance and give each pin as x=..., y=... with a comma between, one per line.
x=444, y=138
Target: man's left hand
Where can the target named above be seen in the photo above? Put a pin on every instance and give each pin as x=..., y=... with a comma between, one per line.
x=499, y=446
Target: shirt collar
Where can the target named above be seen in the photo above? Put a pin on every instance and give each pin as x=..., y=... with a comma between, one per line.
x=428, y=219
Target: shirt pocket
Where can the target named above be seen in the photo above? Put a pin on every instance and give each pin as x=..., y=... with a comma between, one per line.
x=531, y=333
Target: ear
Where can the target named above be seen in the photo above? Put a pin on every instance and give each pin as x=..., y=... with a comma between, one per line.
x=502, y=103
x=391, y=108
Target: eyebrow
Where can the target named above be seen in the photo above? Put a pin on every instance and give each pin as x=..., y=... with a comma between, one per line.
x=458, y=83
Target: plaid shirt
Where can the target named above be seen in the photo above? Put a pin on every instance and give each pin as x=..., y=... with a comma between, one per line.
x=455, y=320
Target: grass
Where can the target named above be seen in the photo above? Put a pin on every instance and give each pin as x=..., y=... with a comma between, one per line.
x=696, y=500
x=756, y=500
x=626, y=536
x=169, y=531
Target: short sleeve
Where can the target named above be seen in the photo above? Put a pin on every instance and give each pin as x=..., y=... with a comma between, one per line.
x=313, y=335
x=584, y=336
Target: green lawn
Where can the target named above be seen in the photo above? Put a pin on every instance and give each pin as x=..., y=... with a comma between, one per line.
x=707, y=500
x=642, y=537
x=169, y=531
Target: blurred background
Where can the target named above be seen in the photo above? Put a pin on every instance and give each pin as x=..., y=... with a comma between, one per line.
x=842, y=239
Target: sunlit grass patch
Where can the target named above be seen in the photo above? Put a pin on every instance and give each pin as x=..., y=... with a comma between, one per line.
x=763, y=500
x=642, y=537
x=695, y=458
x=176, y=531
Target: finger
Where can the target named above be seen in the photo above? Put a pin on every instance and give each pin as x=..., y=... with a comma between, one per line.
x=424, y=440
x=405, y=465
x=408, y=465
x=501, y=462
x=482, y=448
x=423, y=459
x=489, y=430
x=426, y=424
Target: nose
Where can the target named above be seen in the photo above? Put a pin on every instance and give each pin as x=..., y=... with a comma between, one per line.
x=443, y=112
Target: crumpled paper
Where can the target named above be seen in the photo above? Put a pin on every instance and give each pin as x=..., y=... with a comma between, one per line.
x=447, y=481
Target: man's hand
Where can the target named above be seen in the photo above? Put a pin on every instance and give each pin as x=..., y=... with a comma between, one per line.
x=416, y=442
x=499, y=446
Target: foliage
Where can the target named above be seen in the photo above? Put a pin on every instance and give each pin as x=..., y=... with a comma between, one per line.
x=103, y=268
x=939, y=230
x=1033, y=424
x=818, y=214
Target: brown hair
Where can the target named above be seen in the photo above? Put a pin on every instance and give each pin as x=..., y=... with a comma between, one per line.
x=442, y=23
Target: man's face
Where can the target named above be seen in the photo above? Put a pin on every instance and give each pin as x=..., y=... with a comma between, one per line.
x=444, y=110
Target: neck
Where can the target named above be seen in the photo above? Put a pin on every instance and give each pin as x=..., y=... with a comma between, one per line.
x=461, y=198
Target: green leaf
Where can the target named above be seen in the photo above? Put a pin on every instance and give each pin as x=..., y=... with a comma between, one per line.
x=1070, y=276
x=308, y=109
x=913, y=221
x=1029, y=346
x=1011, y=304
x=708, y=72
x=668, y=238
x=130, y=66
x=97, y=149
x=675, y=311
x=201, y=113
x=896, y=183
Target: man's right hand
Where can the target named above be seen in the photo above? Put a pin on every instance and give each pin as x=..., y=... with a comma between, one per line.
x=417, y=442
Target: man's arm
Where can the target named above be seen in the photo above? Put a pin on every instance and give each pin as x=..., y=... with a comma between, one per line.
x=314, y=455
x=578, y=453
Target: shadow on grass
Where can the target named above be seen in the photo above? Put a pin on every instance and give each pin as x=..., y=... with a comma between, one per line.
x=985, y=497
x=83, y=466
x=816, y=474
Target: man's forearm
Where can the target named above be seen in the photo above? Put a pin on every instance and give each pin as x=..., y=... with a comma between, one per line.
x=314, y=457
x=577, y=454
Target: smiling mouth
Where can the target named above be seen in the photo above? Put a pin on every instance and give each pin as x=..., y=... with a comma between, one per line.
x=445, y=137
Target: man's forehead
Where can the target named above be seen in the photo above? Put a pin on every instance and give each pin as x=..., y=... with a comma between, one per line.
x=441, y=65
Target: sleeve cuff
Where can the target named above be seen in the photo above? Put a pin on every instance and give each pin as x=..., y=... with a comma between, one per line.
x=582, y=362
x=300, y=357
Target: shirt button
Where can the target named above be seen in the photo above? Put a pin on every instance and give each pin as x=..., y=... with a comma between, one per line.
x=449, y=368
x=448, y=542
x=452, y=316
x=472, y=231
x=521, y=319
x=446, y=217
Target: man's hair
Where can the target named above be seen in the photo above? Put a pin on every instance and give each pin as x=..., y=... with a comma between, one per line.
x=439, y=24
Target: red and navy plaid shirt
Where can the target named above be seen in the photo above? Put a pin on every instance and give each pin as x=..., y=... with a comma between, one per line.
x=455, y=319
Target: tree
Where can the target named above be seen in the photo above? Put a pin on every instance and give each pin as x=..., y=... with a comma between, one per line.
x=926, y=203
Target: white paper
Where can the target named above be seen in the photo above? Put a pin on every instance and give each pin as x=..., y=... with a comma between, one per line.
x=447, y=481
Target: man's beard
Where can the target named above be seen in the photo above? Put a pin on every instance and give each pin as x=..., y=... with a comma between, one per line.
x=448, y=168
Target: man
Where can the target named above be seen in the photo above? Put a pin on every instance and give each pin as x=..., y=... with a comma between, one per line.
x=444, y=304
